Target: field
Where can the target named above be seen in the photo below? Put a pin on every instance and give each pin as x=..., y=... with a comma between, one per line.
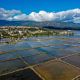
x=42, y=58
x=54, y=70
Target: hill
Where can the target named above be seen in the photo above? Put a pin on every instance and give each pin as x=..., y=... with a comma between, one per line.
x=46, y=24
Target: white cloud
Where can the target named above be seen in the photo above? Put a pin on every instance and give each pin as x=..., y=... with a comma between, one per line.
x=20, y=17
x=8, y=14
x=66, y=16
x=41, y=16
x=76, y=20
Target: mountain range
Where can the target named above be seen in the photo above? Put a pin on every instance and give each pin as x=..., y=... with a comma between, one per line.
x=44, y=24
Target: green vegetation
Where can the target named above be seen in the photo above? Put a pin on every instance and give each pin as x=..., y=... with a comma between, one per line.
x=16, y=33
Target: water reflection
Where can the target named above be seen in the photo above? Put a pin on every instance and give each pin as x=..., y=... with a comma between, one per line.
x=50, y=46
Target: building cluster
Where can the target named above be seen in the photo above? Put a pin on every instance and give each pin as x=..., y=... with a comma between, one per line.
x=13, y=32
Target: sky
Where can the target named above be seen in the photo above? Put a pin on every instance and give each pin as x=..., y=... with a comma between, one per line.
x=40, y=10
x=29, y=6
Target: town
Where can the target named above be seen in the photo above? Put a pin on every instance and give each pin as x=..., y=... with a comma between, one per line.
x=13, y=33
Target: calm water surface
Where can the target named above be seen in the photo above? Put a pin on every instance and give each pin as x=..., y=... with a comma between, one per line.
x=42, y=48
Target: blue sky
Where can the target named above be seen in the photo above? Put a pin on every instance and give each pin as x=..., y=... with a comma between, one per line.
x=28, y=6
x=40, y=10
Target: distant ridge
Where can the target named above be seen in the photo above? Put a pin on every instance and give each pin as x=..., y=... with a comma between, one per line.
x=46, y=24
x=15, y=23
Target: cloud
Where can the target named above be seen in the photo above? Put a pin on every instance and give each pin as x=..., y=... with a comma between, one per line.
x=41, y=16
x=8, y=14
x=20, y=17
x=65, y=16
x=76, y=20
